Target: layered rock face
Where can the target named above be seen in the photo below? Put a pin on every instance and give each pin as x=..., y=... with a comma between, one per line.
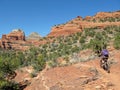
x=17, y=40
x=16, y=34
x=100, y=20
x=13, y=40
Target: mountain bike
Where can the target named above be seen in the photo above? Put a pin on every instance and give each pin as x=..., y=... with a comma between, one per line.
x=105, y=65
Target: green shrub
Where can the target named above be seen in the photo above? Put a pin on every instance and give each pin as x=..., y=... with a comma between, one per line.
x=7, y=85
x=117, y=41
x=33, y=74
x=52, y=63
x=39, y=63
x=82, y=40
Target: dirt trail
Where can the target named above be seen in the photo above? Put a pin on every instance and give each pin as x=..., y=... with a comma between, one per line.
x=43, y=80
x=107, y=81
x=79, y=76
x=115, y=79
x=113, y=76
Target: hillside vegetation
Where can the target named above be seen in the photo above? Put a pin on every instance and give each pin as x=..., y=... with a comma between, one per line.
x=57, y=49
x=64, y=46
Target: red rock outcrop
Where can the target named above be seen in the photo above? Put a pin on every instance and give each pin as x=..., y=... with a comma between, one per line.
x=88, y=18
x=14, y=35
x=78, y=24
x=65, y=30
x=107, y=14
x=13, y=40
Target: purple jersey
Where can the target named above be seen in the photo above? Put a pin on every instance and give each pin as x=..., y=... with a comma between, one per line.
x=105, y=52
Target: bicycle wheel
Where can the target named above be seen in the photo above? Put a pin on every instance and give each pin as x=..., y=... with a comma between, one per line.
x=106, y=67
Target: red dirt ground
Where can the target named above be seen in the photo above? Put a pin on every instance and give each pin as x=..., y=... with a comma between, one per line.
x=81, y=76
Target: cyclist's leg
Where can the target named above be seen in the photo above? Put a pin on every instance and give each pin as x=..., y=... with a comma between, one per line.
x=106, y=67
x=102, y=61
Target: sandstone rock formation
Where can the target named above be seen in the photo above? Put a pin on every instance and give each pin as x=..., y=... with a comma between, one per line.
x=16, y=34
x=13, y=40
x=100, y=20
x=107, y=14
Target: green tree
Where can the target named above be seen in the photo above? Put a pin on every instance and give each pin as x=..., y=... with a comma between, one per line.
x=39, y=63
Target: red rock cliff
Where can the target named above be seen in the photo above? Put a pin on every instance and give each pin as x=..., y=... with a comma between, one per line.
x=13, y=39
x=101, y=20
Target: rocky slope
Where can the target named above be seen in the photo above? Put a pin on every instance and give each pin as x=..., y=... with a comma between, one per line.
x=100, y=20
x=86, y=73
x=81, y=76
